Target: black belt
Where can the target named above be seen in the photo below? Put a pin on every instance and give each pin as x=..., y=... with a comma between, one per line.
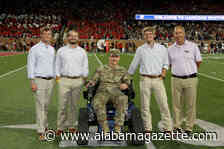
x=151, y=76
x=71, y=77
x=194, y=75
x=45, y=78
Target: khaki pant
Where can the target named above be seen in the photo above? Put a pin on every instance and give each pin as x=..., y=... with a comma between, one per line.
x=155, y=85
x=69, y=95
x=184, y=93
x=43, y=96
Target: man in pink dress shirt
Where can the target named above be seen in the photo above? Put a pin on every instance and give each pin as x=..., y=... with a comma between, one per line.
x=185, y=59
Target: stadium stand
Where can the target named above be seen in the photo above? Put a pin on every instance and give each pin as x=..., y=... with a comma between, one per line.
x=96, y=20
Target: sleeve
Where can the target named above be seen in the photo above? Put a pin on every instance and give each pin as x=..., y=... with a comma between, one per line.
x=166, y=59
x=135, y=62
x=85, y=65
x=58, y=64
x=126, y=78
x=31, y=60
x=97, y=74
x=198, y=57
x=54, y=63
x=169, y=57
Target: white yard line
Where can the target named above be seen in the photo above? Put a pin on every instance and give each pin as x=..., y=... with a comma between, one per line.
x=11, y=55
x=11, y=72
x=211, y=77
x=98, y=60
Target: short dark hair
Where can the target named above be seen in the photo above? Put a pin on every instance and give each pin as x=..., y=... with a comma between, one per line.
x=45, y=29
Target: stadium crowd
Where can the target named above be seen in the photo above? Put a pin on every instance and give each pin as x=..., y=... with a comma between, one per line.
x=105, y=20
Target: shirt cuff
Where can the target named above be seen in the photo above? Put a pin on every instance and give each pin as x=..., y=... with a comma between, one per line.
x=166, y=67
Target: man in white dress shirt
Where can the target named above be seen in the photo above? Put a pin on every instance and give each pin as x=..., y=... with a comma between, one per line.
x=185, y=59
x=153, y=60
x=71, y=71
x=40, y=68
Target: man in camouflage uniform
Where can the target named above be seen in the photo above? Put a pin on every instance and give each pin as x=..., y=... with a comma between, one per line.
x=113, y=78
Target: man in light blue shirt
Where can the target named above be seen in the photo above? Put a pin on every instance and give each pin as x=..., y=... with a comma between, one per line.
x=40, y=68
x=71, y=72
x=153, y=60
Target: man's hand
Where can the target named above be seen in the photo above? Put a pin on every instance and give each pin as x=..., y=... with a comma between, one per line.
x=163, y=75
x=33, y=86
x=57, y=79
x=123, y=86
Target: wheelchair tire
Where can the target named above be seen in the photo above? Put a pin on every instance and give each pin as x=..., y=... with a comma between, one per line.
x=83, y=126
x=136, y=126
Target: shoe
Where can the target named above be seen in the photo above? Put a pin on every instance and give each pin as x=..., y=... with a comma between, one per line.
x=188, y=132
x=72, y=130
x=179, y=130
x=42, y=137
x=147, y=133
x=176, y=133
x=168, y=132
x=58, y=132
x=117, y=128
x=106, y=129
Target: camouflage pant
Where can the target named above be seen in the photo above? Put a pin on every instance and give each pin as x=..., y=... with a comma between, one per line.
x=120, y=102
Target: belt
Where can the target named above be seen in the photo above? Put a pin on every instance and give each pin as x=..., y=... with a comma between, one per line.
x=151, y=76
x=71, y=77
x=194, y=75
x=45, y=78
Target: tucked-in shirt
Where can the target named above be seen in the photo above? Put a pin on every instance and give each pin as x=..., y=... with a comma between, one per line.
x=41, y=61
x=71, y=62
x=151, y=60
x=183, y=58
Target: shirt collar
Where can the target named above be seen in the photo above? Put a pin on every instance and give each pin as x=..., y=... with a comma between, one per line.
x=148, y=46
x=185, y=42
x=44, y=45
x=69, y=46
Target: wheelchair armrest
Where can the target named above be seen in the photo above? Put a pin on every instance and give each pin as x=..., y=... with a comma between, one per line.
x=129, y=91
x=91, y=91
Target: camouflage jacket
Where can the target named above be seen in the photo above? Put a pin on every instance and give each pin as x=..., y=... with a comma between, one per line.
x=111, y=78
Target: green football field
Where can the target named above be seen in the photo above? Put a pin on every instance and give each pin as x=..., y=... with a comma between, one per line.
x=17, y=106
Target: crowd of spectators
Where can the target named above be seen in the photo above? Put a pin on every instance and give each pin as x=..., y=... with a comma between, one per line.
x=164, y=30
x=108, y=20
x=23, y=23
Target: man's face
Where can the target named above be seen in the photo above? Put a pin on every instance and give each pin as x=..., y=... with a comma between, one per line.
x=114, y=59
x=179, y=35
x=73, y=37
x=149, y=36
x=46, y=36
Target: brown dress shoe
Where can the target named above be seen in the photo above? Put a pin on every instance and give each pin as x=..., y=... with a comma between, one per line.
x=58, y=132
x=72, y=130
x=42, y=137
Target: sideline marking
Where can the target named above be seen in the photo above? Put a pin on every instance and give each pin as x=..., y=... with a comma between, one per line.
x=11, y=72
x=211, y=77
